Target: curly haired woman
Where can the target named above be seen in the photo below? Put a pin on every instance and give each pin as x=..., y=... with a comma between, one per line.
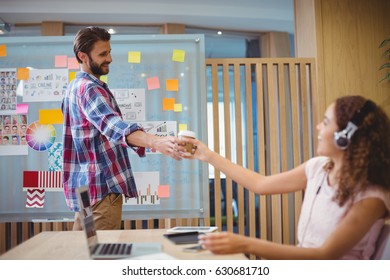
x=347, y=188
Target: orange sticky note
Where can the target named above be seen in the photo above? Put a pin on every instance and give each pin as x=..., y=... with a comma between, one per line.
x=153, y=83
x=23, y=74
x=168, y=104
x=172, y=85
x=3, y=50
x=178, y=55
x=163, y=191
x=51, y=116
x=134, y=57
x=73, y=63
x=177, y=107
x=182, y=126
x=60, y=61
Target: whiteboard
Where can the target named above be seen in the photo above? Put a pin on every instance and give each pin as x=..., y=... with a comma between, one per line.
x=159, y=57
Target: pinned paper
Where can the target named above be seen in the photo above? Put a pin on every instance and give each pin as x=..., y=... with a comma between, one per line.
x=73, y=63
x=178, y=55
x=3, y=50
x=35, y=198
x=182, y=126
x=153, y=83
x=23, y=74
x=50, y=180
x=163, y=191
x=104, y=78
x=22, y=109
x=177, y=107
x=172, y=85
x=134, y=57
x=168, y=104
x=60, y=61
x=51, y=116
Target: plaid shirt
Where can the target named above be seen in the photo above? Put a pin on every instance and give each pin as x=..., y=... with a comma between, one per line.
x=94, y=139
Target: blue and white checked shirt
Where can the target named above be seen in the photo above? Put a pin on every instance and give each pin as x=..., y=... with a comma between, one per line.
x=94, y=140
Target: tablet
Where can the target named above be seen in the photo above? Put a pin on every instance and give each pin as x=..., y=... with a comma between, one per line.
x=201, y=229
x=190, y=237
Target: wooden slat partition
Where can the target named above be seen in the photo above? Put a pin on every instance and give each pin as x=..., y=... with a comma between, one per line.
x=279, y=93
x=284, y=127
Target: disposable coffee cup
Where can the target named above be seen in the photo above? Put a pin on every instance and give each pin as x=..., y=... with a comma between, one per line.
x=183, y=134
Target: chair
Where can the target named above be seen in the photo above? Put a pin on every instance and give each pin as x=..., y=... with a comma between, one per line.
x=382, y=251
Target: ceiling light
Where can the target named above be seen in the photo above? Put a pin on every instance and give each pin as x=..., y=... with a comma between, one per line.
x=219, y=32
x=111, y=31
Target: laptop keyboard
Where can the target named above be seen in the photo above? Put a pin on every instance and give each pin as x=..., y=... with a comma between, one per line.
x=114, y=249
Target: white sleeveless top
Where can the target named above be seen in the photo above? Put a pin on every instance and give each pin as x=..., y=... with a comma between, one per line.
x=320, y=215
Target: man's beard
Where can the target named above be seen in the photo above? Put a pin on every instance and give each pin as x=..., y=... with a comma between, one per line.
x=97, y=69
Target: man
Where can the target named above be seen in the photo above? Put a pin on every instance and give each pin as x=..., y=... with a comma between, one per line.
x=95, y=137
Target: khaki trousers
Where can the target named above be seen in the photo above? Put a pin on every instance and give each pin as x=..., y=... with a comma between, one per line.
x=107, y=213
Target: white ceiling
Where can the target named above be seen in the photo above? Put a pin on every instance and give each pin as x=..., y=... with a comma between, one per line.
x=240, y=15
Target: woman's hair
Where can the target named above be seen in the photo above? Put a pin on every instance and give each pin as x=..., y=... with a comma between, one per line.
x=367, y=158
x=87, y=37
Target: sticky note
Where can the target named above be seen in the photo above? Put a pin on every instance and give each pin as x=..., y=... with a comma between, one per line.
x=172, y=85
x=73, y=63
x=153, y=83
x=178, y=55
x=60, y=61
x=163, y=191
x=51, y=116
x=168, y=104
x=21, y=109
x=134, y=57
x=3, y=50
x=72, y=75
x=182, y=126
x=23, y=74
x=177, y=107
x=104, y=78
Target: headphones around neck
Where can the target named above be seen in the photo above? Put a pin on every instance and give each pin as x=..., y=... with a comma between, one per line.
x=342, y=138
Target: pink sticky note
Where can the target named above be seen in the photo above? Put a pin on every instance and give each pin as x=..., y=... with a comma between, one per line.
x=153, y=83
x=73, y=63
x=163, y=191
x=60, y=61
x=21, y=109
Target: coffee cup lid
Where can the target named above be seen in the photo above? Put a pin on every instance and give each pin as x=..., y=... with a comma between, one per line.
x=187, y=133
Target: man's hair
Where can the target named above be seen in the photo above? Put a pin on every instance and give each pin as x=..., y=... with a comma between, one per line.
x=87, y=37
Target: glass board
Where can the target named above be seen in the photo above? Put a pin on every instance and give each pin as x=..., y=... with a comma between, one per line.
x=167, y=71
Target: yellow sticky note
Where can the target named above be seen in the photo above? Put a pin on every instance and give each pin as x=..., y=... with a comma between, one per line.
x=172, y=85
x=3, y=50
x=163, y=191
x=177, y=107
x=182, y=126
x=72, y=75
x=60, y=61
x=168, y=104
x=23, y=74
x=104, y=78
x=51, y=116
x=134, y=57
x=178, y=55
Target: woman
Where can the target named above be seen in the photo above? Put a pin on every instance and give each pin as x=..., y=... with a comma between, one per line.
x=346, y=188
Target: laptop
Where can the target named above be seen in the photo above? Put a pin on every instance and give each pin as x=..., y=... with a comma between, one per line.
x=99, y=250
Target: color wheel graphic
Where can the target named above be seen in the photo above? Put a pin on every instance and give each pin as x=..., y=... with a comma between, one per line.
x=40, y=137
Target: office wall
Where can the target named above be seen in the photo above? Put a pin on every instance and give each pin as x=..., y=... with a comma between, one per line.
x=345, y=35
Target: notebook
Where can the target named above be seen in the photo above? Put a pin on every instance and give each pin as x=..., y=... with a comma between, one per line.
x=99, y=250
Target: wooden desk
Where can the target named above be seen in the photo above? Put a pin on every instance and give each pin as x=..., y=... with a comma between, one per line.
x=72, y=245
